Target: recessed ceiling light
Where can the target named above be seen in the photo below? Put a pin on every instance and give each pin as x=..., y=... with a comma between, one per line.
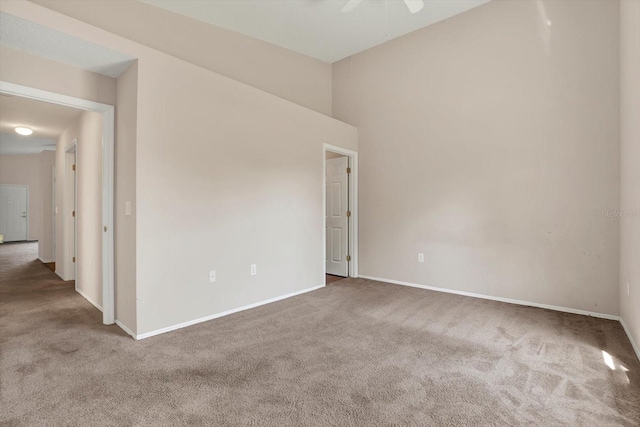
x=24, y=131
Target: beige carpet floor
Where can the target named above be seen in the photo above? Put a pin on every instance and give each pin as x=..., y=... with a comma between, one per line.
x=331, y=279
x=356, y=353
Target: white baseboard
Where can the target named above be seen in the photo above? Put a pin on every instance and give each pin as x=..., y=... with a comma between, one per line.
x=43, y=261
x=124, y=328
x=224, y=313
x=98, y=306
x=507, y=300
x=635, y=346
x=378, y=279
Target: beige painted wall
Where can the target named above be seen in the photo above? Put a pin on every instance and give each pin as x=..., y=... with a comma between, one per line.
x=281, y=72
x=46, y=169
x=125, y=191
x=87, y=130
x=630, y=155
x=490, y=143
x=25, y=170
x=29, y=70
x=226, y=175
x=332, y=155
x=33, y=170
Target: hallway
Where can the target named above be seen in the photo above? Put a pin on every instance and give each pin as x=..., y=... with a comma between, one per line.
x=51, y=340
x=28, y=286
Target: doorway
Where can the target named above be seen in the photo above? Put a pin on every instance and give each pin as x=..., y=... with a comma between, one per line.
x=14, y=213
x=107, y=181
x=337, y=215
x=340, y=201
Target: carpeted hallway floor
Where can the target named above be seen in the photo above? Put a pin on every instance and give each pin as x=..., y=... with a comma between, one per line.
x=355, y=353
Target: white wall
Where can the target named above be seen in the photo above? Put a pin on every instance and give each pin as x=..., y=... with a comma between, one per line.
x=490, y=143
x=33, y=170
x=87, y=130
x=630, y=155
x=281, y=72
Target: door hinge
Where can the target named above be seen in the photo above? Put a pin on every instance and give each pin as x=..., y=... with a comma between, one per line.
x=348, y=170
x=105, y=228
x=73, y=214
x=73, y=167
x=74, y=259
x=348, y=258
x=348, y=214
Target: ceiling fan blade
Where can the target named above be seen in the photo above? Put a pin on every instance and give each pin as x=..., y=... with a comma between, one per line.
x=350, y=5
x=414, y=5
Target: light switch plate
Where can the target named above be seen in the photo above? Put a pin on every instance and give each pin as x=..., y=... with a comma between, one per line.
x=254, y=269
x=212, y=276
x=420, y=257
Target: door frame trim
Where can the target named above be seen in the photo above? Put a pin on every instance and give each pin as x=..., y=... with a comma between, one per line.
x=26, y=239
x=353, y=206
x=68, y=265
x=108, y=132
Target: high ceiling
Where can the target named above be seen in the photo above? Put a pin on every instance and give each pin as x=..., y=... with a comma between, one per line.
x=47, y=120
x=317, y=28
x=20, y=34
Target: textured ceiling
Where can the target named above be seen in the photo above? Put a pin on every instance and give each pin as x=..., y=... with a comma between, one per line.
x=47, y=120
x=20, y=34
x=317, y=28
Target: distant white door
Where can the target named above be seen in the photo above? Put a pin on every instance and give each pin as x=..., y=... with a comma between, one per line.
x=13, y=212
x=337, y=221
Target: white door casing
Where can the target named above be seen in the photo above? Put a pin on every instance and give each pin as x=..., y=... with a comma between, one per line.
x=53, y=213
x=336, y=219
x=70, y=213
x=107, y=111
x=13, y=212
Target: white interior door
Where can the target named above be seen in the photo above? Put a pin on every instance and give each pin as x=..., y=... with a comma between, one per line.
x=13, y=212
x=336, y=219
